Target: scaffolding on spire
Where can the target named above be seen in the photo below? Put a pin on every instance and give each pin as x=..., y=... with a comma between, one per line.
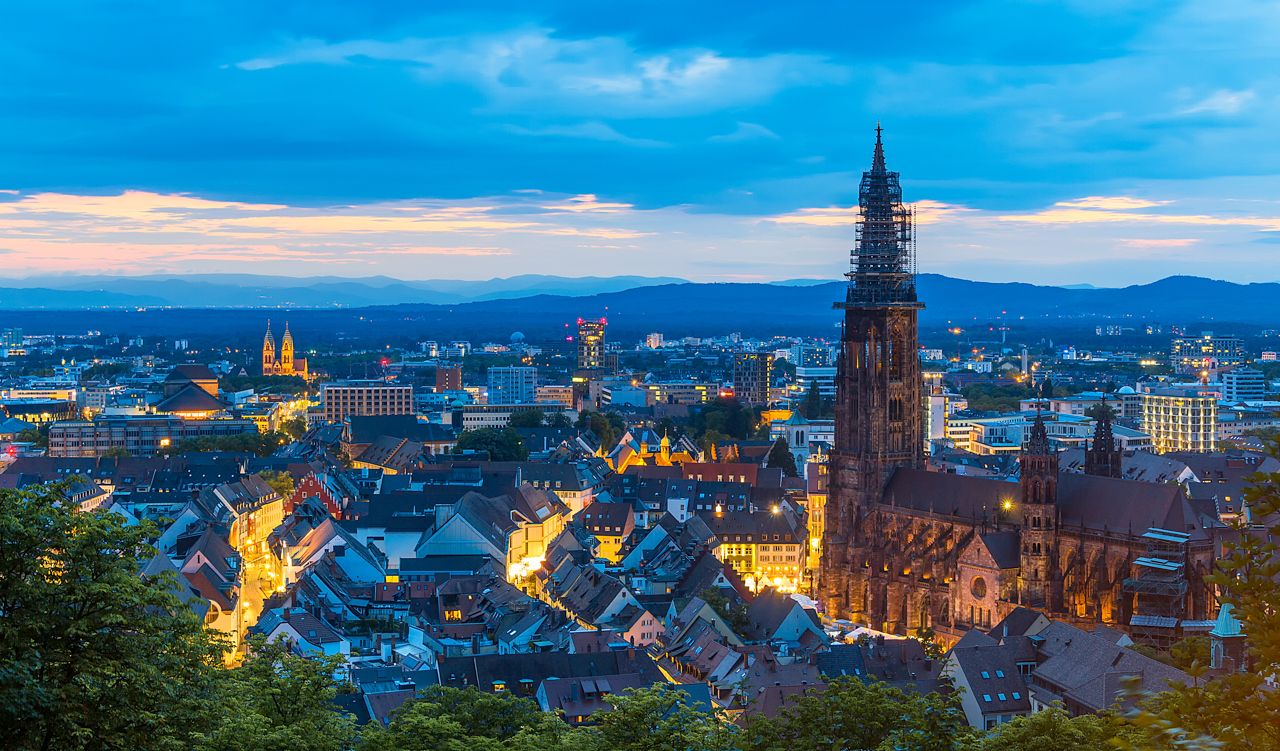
x=883, y=261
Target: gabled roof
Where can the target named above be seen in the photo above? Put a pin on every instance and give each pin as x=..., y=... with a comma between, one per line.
x=994, y=680
x=191, y=398
x=190, y=371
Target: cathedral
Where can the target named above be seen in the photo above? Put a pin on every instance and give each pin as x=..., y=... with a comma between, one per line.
x=285, y=364
x=905, y=548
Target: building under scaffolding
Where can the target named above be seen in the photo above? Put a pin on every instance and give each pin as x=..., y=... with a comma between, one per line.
x=1159, y=591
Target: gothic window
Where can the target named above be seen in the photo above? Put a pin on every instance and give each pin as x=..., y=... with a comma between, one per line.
x=978, y=587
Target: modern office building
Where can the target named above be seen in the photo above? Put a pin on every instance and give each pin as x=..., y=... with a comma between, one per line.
x=1244, y=385
x=751, y=372
x=591, y=343
x=824, y=377
x=1191, y=354
x=139, y=435
x=682, y=392
x=346, y=398
x=513, y=384
x=1179, y=420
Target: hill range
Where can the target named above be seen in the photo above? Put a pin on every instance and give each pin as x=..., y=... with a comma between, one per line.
x=542, y=307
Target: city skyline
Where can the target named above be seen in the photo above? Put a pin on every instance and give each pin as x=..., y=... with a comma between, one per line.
x=1107, y=145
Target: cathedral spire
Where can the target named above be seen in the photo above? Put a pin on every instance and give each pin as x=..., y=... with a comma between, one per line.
x=1039, y=444
x=877, y=161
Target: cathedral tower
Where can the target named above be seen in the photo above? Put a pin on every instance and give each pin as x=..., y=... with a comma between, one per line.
x=879, y=425
x=268, y=353
x=286, y=353
x=1103, y=459
x=1039, y=464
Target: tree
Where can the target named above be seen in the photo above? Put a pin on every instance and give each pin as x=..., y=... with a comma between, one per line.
x=660, y=718
x=557, y=420
x=37, y=436
x=735, y=616
x=93, y=655
x=780, y=457
x=1096, y=411
x=295, y=427
x=502, y=445
x=813, y=402
x=278, y=701
x=531, y=418
x=281, y=482
x=607, y=426
x=258, y=444
x=850, y=714
x=1235, y=711
x=446, y=718
x=116, y=452
x=1050, y=730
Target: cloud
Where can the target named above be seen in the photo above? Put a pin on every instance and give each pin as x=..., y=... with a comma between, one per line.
x=1223, y=102
x=1111, y=202
x=531, y=69
x=1165, y=243
x=594, y=130
x=745, y=132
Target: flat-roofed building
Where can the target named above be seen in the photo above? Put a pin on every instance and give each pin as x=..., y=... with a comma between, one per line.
x=140, y=435
x=347, y=398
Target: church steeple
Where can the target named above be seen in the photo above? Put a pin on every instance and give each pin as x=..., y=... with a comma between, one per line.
x=1104, y=458
x=286, y=353
x=1039, y=465
x=268, y=352
x=877, y=160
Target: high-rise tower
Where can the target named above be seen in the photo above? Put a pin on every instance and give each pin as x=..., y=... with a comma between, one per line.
x=879, y=421
x=268, y=353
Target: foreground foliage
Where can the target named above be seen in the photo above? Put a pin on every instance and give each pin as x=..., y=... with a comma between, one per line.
x=92, y=655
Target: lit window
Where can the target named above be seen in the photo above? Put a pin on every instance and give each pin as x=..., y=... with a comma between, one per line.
x=986, y=697
x=985, y=674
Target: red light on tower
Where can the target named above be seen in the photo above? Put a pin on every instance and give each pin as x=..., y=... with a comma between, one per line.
x=385, y=361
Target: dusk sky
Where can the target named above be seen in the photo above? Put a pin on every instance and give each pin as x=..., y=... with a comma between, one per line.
x=1105, y=142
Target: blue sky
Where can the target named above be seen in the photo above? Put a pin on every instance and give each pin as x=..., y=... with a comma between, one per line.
x=1101, y=142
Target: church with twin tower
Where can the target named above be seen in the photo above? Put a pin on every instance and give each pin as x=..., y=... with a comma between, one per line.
x=905, y=548
x=285, y=364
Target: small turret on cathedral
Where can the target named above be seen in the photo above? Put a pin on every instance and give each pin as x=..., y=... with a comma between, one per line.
x=1103, y=458
x=1039, y=464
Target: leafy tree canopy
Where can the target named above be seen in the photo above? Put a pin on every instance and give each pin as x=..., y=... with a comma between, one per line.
x=502, y=445
x=780, y=457
x=532, y=418
x=93, y=655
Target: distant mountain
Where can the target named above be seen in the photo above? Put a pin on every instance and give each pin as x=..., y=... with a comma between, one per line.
x=253, y=291
x=676, y=310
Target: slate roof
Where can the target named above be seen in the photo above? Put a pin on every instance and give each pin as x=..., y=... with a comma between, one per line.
x=482, y=670
x=367, y=428
x=1005, y=548
x=994, y=679
x=1083, y=500
x=1019, y=621
x=190, y=371
x=1079, y=665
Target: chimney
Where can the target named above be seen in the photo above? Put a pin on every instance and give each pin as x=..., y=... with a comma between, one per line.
x=1006, y=631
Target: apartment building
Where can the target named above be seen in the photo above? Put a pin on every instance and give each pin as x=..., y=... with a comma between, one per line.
x=764, y=547
x=751, y=372
x=1190, y=354
x=347, y=398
